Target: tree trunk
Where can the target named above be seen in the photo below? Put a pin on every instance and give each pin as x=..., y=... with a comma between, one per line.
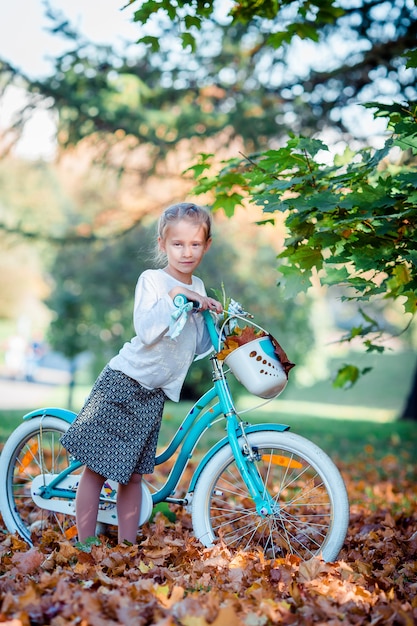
x=410, y=408
x=71, y=384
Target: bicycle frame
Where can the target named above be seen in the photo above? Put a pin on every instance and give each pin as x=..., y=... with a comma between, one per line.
x=199, y=419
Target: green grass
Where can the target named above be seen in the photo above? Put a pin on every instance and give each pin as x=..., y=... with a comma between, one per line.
x=8, y=421
x=343, y=439
x=345, y=423
x=386, y=386
x=57, y=396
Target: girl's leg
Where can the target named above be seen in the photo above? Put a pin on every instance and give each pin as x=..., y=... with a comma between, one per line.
x=129, y=500
x=86, y=503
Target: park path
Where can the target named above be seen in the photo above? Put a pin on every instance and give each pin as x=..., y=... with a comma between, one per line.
x=22, y=394
x=16, y=394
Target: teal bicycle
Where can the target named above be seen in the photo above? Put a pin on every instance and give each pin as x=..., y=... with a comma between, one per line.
x=260, y=487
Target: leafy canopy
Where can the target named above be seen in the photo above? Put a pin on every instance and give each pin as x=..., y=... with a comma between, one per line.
x=312, y=57
x=190, y=17
x=352, y=222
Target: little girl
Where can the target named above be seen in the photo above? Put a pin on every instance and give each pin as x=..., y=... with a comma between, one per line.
x=115, y=435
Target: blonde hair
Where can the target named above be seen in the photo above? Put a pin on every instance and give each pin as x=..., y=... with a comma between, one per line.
x=182, y=211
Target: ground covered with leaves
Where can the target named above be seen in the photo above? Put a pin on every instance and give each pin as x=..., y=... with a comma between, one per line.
x=169, y=579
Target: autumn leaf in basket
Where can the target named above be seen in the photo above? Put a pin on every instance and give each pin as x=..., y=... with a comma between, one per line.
x=238, y=338
x=279, y=351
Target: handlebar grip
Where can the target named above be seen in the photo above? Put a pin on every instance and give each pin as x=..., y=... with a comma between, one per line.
x=180, y=300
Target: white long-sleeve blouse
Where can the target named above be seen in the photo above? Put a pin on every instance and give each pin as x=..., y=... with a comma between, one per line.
x=151, y=357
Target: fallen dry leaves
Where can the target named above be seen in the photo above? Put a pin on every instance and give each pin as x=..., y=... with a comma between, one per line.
x=169, y=579
x=239, y=337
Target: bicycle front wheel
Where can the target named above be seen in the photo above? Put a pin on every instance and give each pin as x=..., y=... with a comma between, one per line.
x=309, y=503
x=33, y=449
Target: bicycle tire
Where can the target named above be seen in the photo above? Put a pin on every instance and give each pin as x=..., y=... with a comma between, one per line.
x=311, y=505
x=33, y=445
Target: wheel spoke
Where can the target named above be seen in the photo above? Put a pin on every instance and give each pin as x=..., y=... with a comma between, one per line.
x=39, y=452
x=301, y=504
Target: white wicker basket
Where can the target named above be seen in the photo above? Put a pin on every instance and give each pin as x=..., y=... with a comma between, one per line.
x=257, y=367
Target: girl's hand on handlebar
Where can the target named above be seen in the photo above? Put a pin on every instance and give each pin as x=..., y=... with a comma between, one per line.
x=204, y=302
x=210, y=304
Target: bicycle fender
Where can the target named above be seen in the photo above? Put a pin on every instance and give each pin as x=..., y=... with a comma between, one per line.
x=223, y=442
x=64, y=414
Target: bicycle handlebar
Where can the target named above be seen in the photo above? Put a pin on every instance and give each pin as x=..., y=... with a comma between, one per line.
x=180, y=300
x=234, y=310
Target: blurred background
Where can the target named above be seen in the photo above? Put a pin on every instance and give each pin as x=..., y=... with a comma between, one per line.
x=96, y=134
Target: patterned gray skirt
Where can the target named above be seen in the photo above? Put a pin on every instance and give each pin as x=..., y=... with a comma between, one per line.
x=116, y=432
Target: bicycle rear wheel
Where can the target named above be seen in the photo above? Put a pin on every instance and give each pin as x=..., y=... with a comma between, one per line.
x=33, y=449
x=309, y=500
